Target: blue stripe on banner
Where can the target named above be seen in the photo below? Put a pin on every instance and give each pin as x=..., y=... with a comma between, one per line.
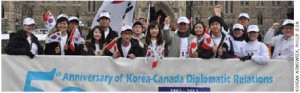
x=183, y=89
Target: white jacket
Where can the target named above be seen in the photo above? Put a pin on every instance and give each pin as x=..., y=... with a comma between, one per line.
x=284, y=48
x=258, y=50
x=237, y=46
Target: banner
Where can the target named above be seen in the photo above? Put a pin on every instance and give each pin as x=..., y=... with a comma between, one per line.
x=94, y=73
x=121, y=13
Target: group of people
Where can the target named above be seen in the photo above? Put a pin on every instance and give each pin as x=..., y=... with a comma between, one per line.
x=242, y=41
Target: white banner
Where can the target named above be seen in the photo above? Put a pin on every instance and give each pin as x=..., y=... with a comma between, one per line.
x=94, y=73
x=121, y=13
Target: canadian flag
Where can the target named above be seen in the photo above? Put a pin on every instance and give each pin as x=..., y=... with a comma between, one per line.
x=112, y=47
x=208, y=44
x=193, y=46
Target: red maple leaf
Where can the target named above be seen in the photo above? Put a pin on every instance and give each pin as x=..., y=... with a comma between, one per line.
x=208, y=40
x=193, y=45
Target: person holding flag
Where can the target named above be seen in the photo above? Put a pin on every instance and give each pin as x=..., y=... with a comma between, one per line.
x=24, y=42
x=178, y=42
x=125, y=46
x=57, y=43
x=154, y=44
x=95, y=45
x=223, y=47
x=202, y=42
x=254, y=49
x=76, y=41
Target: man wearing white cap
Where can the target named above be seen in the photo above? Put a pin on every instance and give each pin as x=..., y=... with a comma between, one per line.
x=24, y=42
x=244, y=20
x=238, y=39
x=104, y=22
x=284, y=44
x=178, y=42
x=254, y=50
x=127, y=46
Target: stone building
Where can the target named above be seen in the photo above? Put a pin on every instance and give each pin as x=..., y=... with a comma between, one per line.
x=263, y=13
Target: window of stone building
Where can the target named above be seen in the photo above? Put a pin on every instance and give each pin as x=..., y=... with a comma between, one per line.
x=94, y=6
x=3, y=12
x=89, y=6
x=226, y=6
x=260, y=3
x=216, y=2
x=59, y=2
x=211, y=3
x=76, y=13
x=259, y=19
x=247, y=3
x=195, y=3
x=231, y=7
x=29, y=13
x=200, y=3
x=273, y=3
x=290, y=3
x=278, y=3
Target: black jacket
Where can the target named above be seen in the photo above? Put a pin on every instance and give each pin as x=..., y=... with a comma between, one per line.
x=111, y=36
x=209, y=53
x=135, y=49
x=50, y=48
x=18, y=44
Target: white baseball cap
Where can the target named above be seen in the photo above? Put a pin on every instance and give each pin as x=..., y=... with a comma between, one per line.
x=125, y=28
x=288, y=21
x=104, y=14
x=28, y=21
x=244, y=15
x=73, y=18
x=253, y=28
x=239, y=26
x=61, y=15
x=183, y=19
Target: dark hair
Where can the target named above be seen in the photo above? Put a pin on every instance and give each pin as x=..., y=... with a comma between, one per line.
x=193, y=30
x=159, y=36
x=138, y=23
x=61, y=20
x=216, y=19
x=101, y=41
